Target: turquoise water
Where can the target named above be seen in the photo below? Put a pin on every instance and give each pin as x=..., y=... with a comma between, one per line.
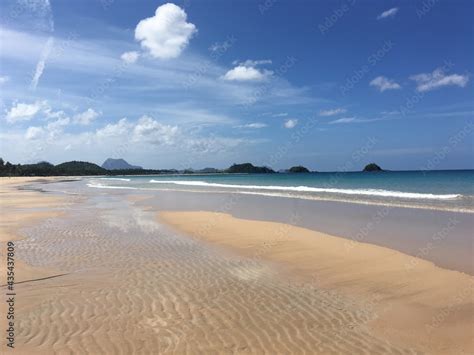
x=444, y=190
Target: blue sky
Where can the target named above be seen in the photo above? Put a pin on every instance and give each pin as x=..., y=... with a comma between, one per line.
x=331, y=85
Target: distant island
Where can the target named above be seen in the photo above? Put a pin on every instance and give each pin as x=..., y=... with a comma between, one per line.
x=372, y=167
x=248, y=168
x=298, y=169
x=118, y=164
x=122, y=167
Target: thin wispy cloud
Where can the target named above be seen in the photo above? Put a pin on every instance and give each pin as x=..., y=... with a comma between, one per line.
x=388, y=13
x=253, y=125
x=332, y=112
x=437, y=79
x=42, y=63
x=382, y=83
x=356, y=120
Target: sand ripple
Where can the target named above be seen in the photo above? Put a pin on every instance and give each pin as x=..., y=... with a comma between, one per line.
x=134, y=286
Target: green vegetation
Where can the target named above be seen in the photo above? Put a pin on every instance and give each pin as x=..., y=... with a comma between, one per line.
x=47, y=169
x=247, y=168
x=79, y=168
x=372, y=167
x=82, y=168
x=298, y=169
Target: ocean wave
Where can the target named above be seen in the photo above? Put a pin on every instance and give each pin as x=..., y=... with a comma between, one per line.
x=363, y=192
x=116, y=179
x=100, y=186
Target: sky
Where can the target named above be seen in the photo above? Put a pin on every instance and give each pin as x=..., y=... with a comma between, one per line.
x=331, y=85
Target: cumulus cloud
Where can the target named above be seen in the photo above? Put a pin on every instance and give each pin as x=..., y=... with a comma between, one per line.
x=86, y=117
x=23, y=112
x=389, y=13
x=248, y=71
x=242, y=73
x=436, y=79
x=166, y=34
x=332, y=112
x=50, y=131
x=114, y=129
x=42, y=63
x=382, y=83
x=291, y=123
x=130, y=57
x=149, y=130
x=33, y=133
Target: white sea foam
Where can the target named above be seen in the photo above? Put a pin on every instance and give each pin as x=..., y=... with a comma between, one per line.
x=116, y=179
x=363, y=192
x=101, y=186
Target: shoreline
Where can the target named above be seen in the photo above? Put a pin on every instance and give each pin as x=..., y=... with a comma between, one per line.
x=416, y=290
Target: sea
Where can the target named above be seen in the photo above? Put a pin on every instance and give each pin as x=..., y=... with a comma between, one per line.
x=450, y=190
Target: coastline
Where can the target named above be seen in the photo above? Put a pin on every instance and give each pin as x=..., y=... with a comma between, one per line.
x=410, y=293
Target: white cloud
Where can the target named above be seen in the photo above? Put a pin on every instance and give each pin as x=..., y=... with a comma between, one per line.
x=37, y=12
x=86, y=117
x=49, y=113
x=114, y=130
x=33, y=133
x=151, y=131
x=166, y=34
x=4, y=79
x=291, y=123
x=55, y=128
x=254, y=125
x=332, y=112
x=382, y=83
x=23, y=112
x=48, y=133
x=42, y=63
x=282, y=114
x=356, y=120
x=437, y=79
x=130, y=57
x=343, y=120
x=389, y=13
x=252, y=63
x=247, y=71
x=243, y=73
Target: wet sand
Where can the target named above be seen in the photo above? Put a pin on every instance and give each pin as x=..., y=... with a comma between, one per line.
x=125, y=283
x=408, y=293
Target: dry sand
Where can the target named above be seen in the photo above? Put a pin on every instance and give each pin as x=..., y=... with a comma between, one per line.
x=418, y=304
x=100, y=275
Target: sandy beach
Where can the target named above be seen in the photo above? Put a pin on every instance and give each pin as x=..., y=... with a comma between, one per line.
x=105, y=272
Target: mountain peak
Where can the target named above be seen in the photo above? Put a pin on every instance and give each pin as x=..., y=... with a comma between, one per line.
x=118, y=164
